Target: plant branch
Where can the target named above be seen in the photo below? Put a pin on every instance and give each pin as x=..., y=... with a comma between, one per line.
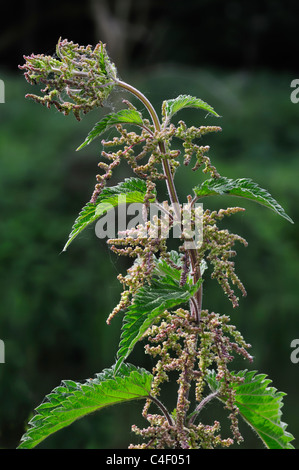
x=201, y=405
x=163, y=409
x=171, y=188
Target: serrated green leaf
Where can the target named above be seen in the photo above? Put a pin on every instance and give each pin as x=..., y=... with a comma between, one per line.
x=149, y=302
x=171, y=107
x=124, y=116
x=242, y=187
x=130, y=190
x=260, y=406
x=71, y=400
x=163, y=268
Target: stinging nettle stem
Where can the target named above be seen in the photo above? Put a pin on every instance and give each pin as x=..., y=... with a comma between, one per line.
x=167, y=171
x=171, y=190
x=163, y=409
x=201, y=405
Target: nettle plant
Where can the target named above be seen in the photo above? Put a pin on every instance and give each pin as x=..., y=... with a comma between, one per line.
x=161, y=301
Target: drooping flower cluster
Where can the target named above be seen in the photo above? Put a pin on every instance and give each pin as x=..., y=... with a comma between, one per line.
x=190, y=350
x=188, y=135
x=132, y=148
x=217, y=248
x=174, y=341
x=77, y=79
x=141, y=243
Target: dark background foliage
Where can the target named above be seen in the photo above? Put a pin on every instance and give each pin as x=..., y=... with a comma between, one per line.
x=240, y=57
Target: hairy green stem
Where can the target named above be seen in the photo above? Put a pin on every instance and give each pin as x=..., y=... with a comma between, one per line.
x=167, y=171
x=163, y=409
x=171, y=190
x=201, y=406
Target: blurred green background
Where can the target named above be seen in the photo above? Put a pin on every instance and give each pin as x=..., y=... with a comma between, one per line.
x=54, y=305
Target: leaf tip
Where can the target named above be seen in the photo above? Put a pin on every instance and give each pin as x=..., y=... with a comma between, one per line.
x=290, y=220
x=80, y=147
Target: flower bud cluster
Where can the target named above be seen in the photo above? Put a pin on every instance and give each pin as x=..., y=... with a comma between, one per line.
x=188, y=135
x=191, y=351
x=137, y=243
x=135, y=147
x=78, y=79
x=103, y=178
x=160, y=434
x=217, y=247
